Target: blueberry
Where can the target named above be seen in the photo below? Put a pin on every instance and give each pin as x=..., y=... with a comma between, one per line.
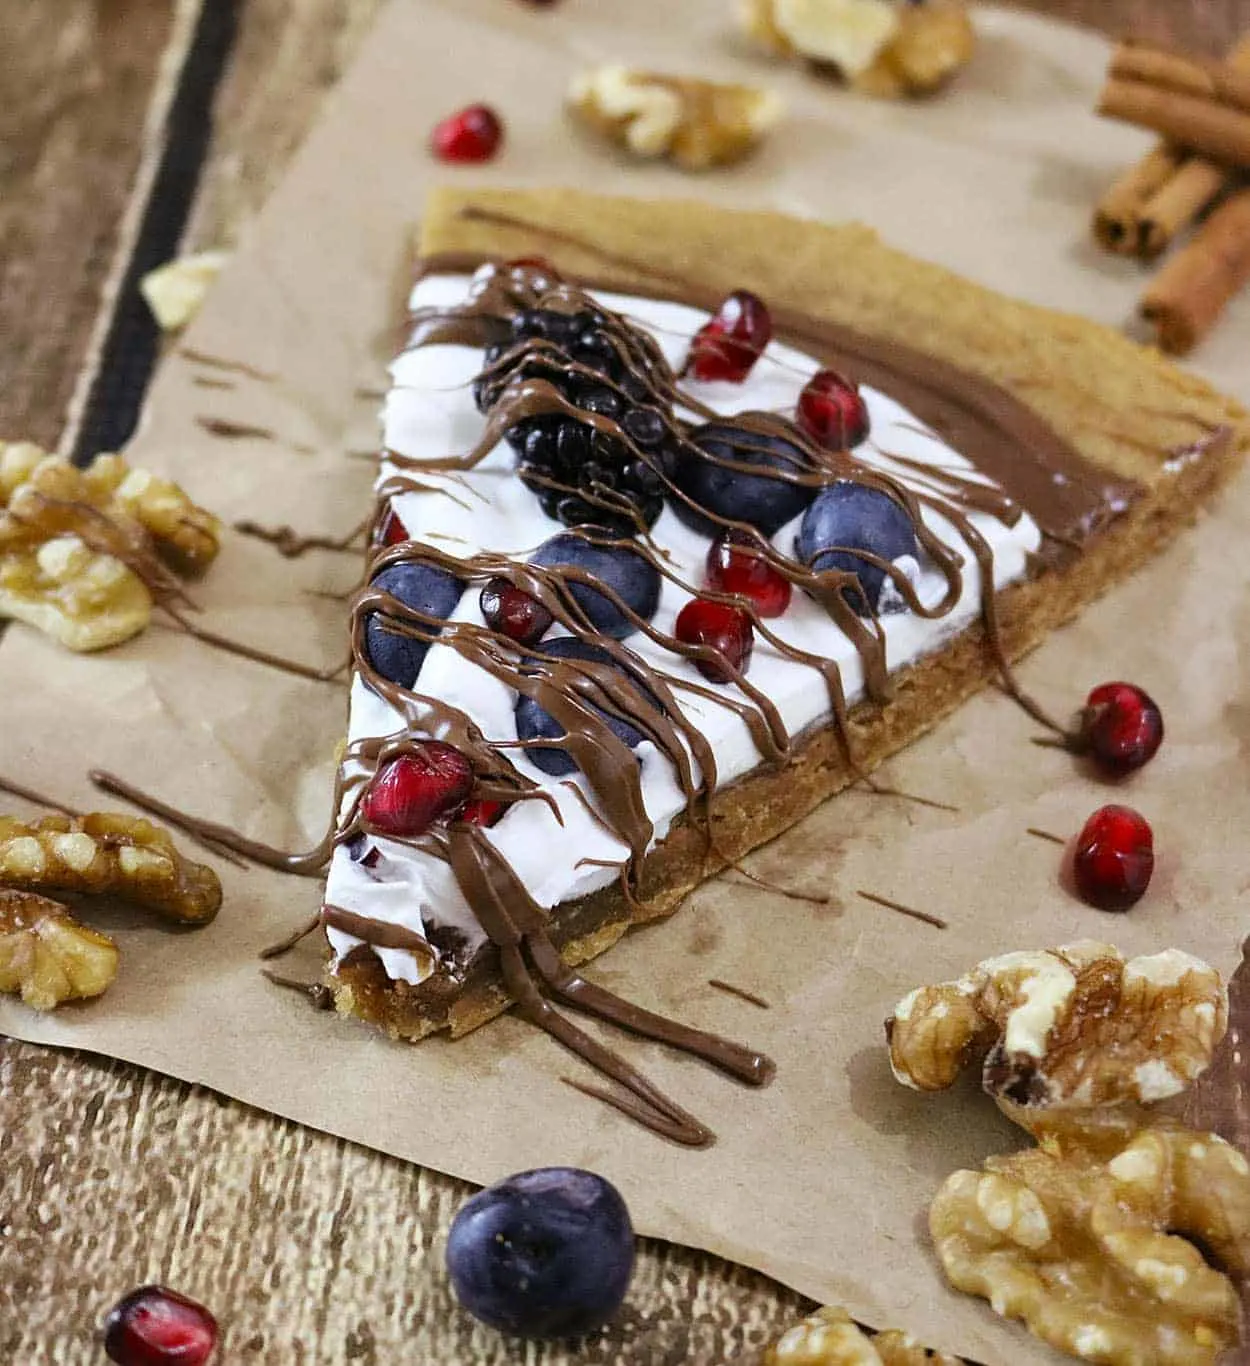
x=633, y=578
x=546, y=1253
x=854, y=517
x=534, y=722
x=425, y=589
x=765, y=503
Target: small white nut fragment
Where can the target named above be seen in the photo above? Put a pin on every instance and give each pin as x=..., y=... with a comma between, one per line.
x=75, y=849
x=695, y=123
x=175, y=291
x=847, y=33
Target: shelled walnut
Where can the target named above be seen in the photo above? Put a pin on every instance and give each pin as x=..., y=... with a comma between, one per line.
x=694, y=123
x=1101, y=1255
x=103, y=853
x=1074, y=1028
x=829, y=1337
x=46, y=956
x=84, y=553
x=879, y=47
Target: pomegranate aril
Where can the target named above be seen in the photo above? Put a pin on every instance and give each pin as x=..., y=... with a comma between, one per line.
x=1121, y=728
x=482, y=811
x=472, y=134
x=154, y=1326
x=392, y=530
x=513, y=612
x=730, y=344
x=1114, y=858
x=832, y=411
x=411, y=791
x=723, y=628
x=735, y=564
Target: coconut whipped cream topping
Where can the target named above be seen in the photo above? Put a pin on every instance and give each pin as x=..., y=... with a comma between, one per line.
x=562, y=851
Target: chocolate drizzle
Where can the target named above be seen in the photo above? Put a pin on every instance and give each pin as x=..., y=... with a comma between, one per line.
x=580, y=695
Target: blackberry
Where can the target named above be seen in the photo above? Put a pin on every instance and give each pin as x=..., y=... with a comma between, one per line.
x=593, y=470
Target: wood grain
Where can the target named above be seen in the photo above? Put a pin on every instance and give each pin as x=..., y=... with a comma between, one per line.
x=311, y=1250
x=78, y=77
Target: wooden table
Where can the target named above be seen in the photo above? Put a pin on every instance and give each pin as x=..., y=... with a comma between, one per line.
x=311, y=1250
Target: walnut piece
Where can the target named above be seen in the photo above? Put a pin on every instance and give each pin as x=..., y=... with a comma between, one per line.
x=107, y=853
x=1070, y=1029
x=47, y=956
x=935, y=40
x=1099, y=1254
x=82, y=598
x=694, y=123
x=829, y=1337
x=882, y=49
x=136, y=501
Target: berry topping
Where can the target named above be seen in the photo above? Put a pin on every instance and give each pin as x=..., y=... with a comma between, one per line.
x=730, y=344
x=849, y=517
x=482, y=811
x=725, y=629
x=153, y=1326
x=735, y=565
x=410, y=792
x=1121, y=728
x=1114, y=858
x=392, y=530
x=582, y=473
x=472, y=134
x=546, y=1253
x=832, y=412
x=762, y=501
x=534, y=722
x=395, y=655
x=620, y=568
x=513, y=612
x=531, y=263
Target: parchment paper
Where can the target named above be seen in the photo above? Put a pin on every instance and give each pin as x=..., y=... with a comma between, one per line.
x=823, y=1179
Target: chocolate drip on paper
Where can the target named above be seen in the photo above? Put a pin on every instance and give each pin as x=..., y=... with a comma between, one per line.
x=291, y=544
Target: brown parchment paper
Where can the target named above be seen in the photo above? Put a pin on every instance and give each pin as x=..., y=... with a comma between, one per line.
x=823, y=1179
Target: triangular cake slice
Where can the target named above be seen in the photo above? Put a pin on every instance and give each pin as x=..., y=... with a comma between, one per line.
x=567, y=795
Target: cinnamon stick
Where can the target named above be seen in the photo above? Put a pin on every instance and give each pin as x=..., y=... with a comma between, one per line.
x=1141, y=214
x=1222, y=82
x=1190, y=292
x=1117, y=216
x=1177, y=202
x=1205, y=125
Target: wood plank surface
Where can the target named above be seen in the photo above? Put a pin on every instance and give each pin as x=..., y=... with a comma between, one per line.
x=310, y=1250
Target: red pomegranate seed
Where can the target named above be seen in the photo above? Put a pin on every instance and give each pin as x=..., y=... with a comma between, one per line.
x=153, y=1326
x=1121, y=728
x=1114, y=858
x=482, y=811
x=729, y=345
x=735, y=565
x=393, y=531
x=473, y=134
x=721, y=627
x=411, y=791
x=513, y=612
x=832, y=411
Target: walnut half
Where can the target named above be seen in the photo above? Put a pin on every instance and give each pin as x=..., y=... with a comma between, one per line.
x=46, y=956
x=1102, y=1255
x=829, y=1337
x=106, y=853
x=695, y=123
x=1074, y=1029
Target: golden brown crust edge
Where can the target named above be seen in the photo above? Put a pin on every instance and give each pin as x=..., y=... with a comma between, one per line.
x=767, y=802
